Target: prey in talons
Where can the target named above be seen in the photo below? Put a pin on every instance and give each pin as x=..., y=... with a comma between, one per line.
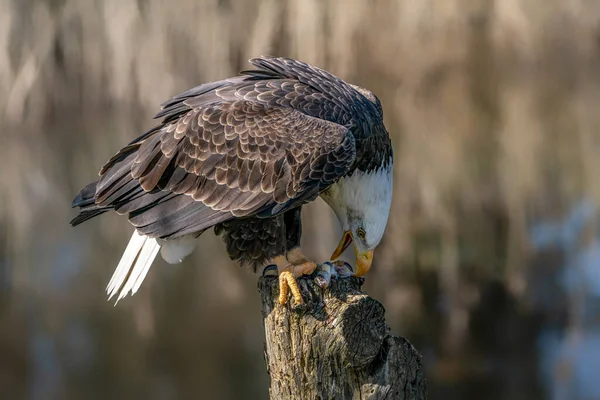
x=294, y=266
x=330, y=270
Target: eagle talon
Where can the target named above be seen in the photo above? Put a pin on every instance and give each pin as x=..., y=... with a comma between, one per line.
x=268, y=269
x=287, y=283
x=288, y=279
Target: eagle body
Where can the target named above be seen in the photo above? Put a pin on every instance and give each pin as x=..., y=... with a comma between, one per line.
x=242, y=156
x=254, y=241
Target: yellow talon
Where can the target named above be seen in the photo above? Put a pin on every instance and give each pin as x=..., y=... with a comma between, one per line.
x=288, y=283
x=289, y=269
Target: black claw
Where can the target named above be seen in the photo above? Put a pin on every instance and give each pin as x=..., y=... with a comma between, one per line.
x=269, y=268
x=347, y=265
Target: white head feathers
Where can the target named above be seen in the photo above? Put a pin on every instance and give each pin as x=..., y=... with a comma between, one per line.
x=363, y=201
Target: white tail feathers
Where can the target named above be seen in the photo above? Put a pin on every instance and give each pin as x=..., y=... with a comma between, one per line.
x=134, y=266
x=138, y=257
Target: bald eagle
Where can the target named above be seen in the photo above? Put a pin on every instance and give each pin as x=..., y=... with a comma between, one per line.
x=243, y=155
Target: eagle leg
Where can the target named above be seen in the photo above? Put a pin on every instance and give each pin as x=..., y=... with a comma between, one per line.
x=289, y=271
x=296, y=256
x=295, y=264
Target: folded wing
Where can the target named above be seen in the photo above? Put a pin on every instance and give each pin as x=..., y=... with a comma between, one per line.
x=224, y=160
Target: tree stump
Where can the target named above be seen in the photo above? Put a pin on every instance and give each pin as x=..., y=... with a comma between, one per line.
x=335, y=346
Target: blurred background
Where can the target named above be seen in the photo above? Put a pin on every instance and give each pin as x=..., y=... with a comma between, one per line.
x=490, y=264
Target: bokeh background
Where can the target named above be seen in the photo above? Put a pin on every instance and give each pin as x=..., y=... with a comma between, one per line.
x=491, y=262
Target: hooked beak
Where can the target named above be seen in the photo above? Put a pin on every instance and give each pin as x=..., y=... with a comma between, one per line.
x=344, y=243
x=363, y=260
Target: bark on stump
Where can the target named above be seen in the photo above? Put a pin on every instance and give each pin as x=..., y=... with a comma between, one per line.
x=335, y=346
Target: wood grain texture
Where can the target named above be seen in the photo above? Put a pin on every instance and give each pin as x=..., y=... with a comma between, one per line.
x=335, y=346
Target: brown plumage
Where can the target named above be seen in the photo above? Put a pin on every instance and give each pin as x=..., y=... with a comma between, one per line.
x=241, y=152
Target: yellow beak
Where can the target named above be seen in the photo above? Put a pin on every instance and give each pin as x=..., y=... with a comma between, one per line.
x=363, y=260
x=344, y=243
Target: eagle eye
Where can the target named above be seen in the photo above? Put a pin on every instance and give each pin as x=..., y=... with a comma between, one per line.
x=361, y=233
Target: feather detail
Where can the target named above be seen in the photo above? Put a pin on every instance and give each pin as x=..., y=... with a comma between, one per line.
x=256, y=145
x=134, y=266
x=174, y=251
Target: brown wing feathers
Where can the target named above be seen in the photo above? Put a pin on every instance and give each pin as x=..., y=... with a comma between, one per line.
x=241, y=157
x=243, y=146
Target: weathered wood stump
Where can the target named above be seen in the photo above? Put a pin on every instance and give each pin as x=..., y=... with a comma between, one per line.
x=335, y=346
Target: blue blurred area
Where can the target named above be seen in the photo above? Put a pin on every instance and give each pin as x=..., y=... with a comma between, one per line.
x=570, y=357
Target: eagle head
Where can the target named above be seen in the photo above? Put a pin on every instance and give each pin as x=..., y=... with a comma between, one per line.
x=362, y=204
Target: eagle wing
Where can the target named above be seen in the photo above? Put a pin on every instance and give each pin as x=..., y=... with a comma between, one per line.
x=253, y=145
x=224, y=160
